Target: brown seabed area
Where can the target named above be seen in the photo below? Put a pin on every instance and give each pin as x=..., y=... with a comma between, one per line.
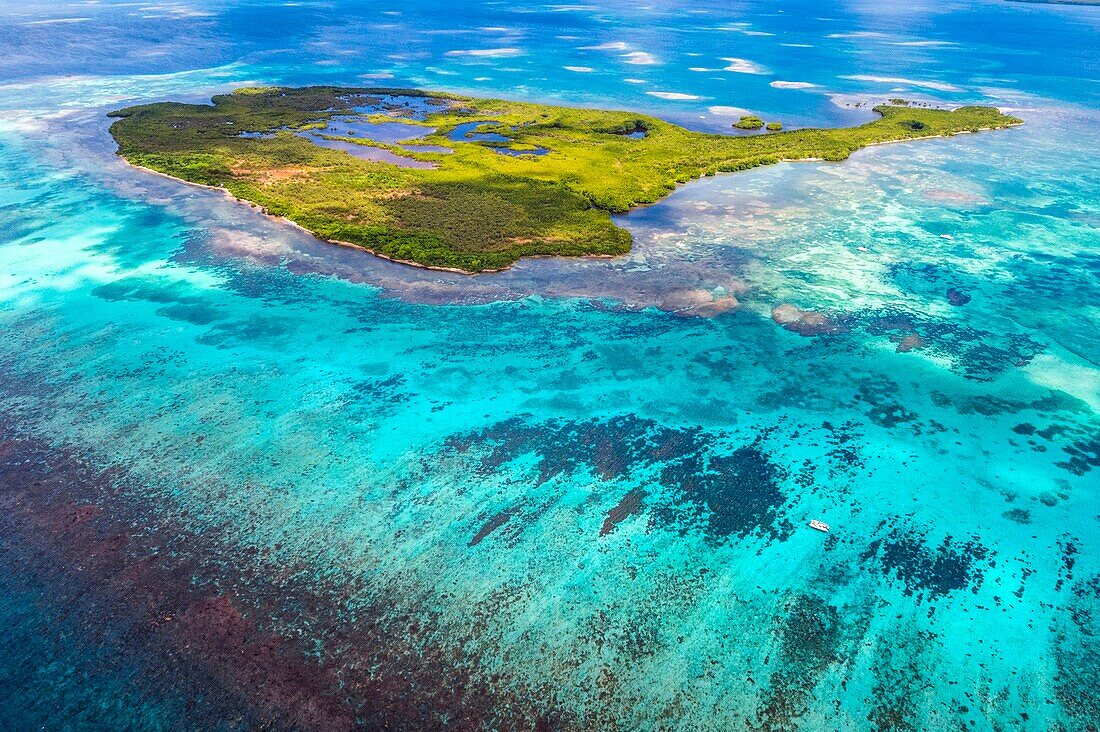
x=151, y=596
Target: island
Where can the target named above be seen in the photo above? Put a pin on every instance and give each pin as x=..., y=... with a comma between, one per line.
x=749, y=122
x=459, y=183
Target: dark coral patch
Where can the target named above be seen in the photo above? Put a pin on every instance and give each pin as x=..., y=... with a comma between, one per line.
x=880, y=396
x=978, y=354
x=957, y=297
x=260, y=328
x=1077, y=684
x=630, y=504
x=843, y=441
x=1071, y=550
x=1084, y=455
x=495, y=522
x=893, y=701
x=730, y=494
x=936, y=280
x=611, y=448
x=379, y=396
x=989, y=405
x=809, y=634
x=178, y=300
x=923, y=569
x=737, y=493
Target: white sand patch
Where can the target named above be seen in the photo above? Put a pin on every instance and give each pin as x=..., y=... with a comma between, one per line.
x=56, y=21
x=675, y=96
x=640, y=58
x=1081, y=381
x=26, y=122
x=722, y=111
x=612, y=46
x=937, y=85
x=860, y=34
x=743, y=29
x=487, y=52
x=792, y=85
x=744, y=66
x=925, y=44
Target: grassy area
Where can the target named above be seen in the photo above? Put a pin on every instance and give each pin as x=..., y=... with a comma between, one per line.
x=477, y=209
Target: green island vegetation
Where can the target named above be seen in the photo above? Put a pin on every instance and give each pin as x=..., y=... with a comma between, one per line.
x=749, y=122
x=752, y=122
x=546, y=183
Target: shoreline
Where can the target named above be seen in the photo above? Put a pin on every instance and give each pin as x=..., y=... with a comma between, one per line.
x=256, y=208
x=813, y=160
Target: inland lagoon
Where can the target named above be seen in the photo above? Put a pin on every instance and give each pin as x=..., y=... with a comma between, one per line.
x=251, y=479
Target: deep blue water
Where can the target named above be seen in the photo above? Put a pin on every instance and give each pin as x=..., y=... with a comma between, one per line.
x=250, y=480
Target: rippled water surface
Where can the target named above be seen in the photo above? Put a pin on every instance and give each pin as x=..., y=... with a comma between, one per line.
x=250, y=480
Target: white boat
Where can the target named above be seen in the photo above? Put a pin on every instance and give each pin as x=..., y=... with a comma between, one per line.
x=819, y=525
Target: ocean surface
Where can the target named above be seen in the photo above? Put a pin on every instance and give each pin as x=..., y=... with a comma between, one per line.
x=249, y=480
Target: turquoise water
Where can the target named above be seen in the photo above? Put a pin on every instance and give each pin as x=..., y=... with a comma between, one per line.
x=256, y=481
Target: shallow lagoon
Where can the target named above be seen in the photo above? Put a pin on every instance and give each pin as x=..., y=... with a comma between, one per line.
x=468, y=132
x=507, y=497
x=389, y=133
x=360, y=126
x=366, y=152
